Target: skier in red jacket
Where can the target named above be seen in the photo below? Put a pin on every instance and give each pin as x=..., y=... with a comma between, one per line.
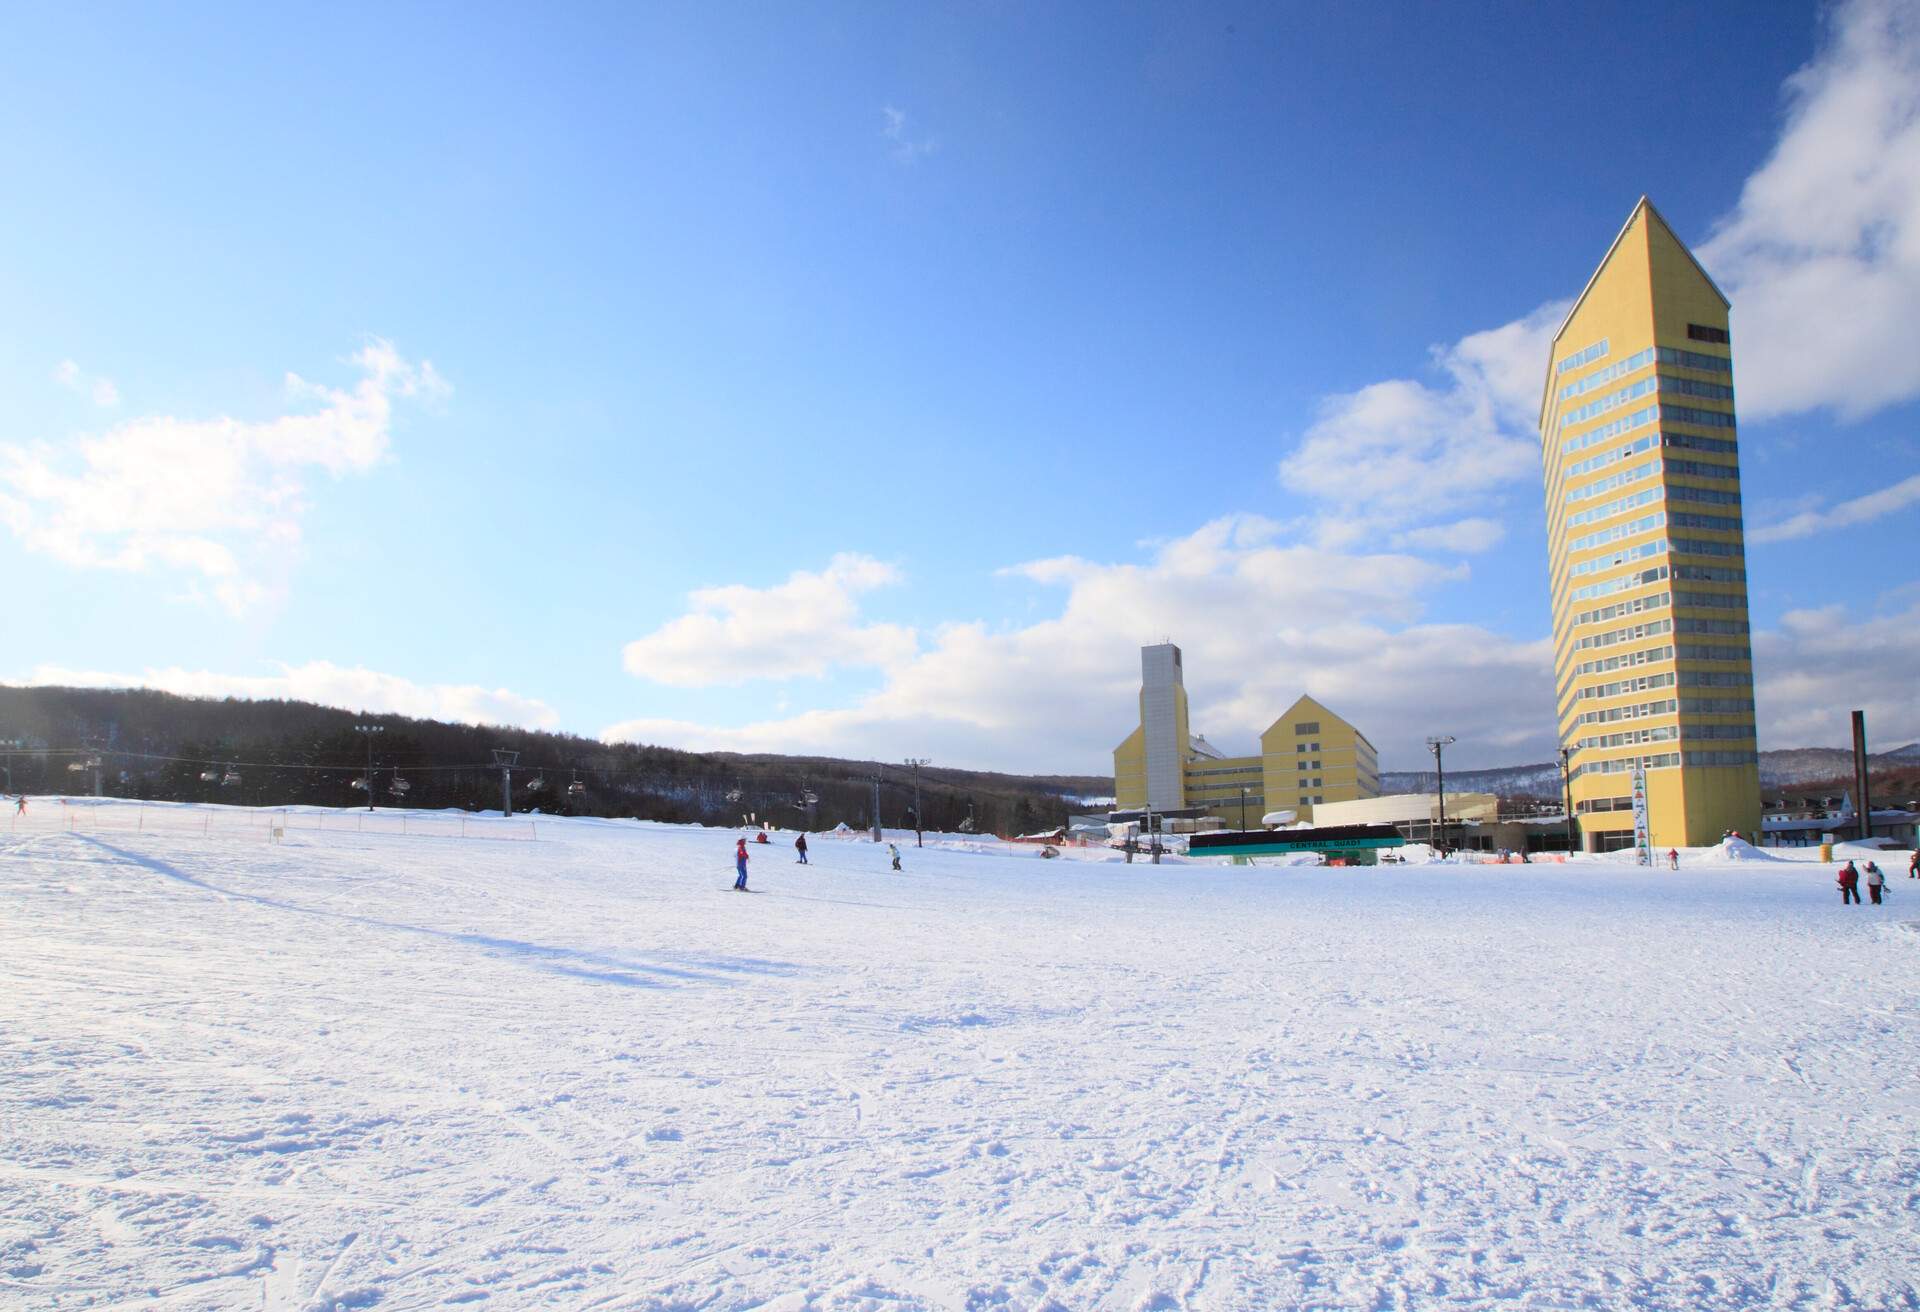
x=740, y=863
x=1849, y=881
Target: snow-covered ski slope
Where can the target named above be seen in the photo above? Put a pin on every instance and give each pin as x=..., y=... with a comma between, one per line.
x=391, y=1071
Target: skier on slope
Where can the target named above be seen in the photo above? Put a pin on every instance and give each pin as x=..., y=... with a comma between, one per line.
x=894, y=852
x=800, y=846
x=740, y=863
x=20, y=804
x=1875, y=881
x=1849, y=881
x=1673, y=858
x=1913, y=862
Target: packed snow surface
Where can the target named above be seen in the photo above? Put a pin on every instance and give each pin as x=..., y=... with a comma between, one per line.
x=376, y=1070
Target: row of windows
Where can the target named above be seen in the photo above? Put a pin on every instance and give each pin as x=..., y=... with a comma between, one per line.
x=1632, y=633
x=1665, y=733
x=1640, y=360
x=1692, y=442
x=1711, y=496
x=1600, y=405
x=1726, y=628
x=1715, y=705
x=1307, y=726
x=1709, y=574
x=1608, y=586
x=1711, y=600
x=1716, y=678
x=1657, y=547
x=1702, y=469
x=1654, y=602
x=1702, y=547
x=1723, y=758
x=1619, y=663
x=1253, y=770
x=1644, y=709
x=1578, y=358
x=1632, y=501
x=1600, y=537
x=1720, y=730
x=1701, y=332
x=1626, y=763
x=1309, y=801
x=1691, y=387
x=1624, y=424
x=1306, y=747
x=1694, y=651
x=1694, y=519
x=1643, y=683
x=1612, y=481
x=1682, y=414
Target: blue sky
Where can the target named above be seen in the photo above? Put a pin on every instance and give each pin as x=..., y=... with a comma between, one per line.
x=874, y=382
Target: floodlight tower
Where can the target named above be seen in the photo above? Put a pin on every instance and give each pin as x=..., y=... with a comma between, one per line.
x=915, y=763
x=1437, y=745
x=369, y=730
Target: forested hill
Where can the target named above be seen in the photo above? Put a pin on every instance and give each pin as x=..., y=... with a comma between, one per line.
x=264, y=753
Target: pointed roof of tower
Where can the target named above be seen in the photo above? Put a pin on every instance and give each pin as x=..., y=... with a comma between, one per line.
x=1654, y=216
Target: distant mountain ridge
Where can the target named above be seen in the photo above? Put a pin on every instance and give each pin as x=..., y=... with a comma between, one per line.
x=1781, y=768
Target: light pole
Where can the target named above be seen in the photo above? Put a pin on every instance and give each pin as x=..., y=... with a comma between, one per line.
x=1566, y=782
x=369, y=730
x=916, y=763
x=1437, y=745
x=1243, y=810
x=876, y=808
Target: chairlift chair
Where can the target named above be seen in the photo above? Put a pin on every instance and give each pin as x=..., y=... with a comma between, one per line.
x=400, y=786
x=209, y=777
x=230, y=778
x=538, y=782
x=576, y=788
x=359, y=784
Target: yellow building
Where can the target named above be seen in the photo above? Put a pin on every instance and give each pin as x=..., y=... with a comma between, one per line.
x=1652, y=660
x=1307, y=756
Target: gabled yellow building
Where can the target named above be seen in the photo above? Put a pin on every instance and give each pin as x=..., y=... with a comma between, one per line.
x=1307, y=756
x=1652, y=659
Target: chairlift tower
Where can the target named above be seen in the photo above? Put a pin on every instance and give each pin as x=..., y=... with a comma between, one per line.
x=506, y=761
x=8, y=746
x=915, y=763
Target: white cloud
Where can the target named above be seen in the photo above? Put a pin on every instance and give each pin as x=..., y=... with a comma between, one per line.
x=213, y=502
x=352, y=688
x=1822, y=663
x=1847, y=514
x=101, y=391
x=1417, y=450
x=805, y=626
x=905, y=147
x=1465, y=536
x=1821, y=257
x=1261, y=620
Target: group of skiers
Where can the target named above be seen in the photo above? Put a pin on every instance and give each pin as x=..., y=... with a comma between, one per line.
x=740, y=858
x=1849, y=880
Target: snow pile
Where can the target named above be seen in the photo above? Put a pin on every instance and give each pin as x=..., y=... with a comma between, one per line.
x=1729, y=849
x=407, y=1071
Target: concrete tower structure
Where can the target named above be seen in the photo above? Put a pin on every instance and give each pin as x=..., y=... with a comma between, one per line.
x=1652, y=660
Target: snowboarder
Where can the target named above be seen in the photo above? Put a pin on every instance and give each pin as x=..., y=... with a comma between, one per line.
x=20, y=804
x=1673, y=858
x=1874, y=882
x=894, y=852
x=1849, y=881
x=800, y=846
x=1913, y=862
x=740, y=863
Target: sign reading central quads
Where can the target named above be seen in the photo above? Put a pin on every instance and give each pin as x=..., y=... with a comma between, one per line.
x=1358, y=845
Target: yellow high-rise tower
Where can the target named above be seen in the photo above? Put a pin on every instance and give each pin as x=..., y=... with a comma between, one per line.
x=1652, y=661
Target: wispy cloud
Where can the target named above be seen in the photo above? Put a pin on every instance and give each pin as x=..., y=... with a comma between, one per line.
x=100, y=390
x=904, y=145
x=1847, y=514
x=215, y=503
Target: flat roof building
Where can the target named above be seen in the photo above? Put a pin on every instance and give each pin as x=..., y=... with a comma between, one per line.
x=1307, y=757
